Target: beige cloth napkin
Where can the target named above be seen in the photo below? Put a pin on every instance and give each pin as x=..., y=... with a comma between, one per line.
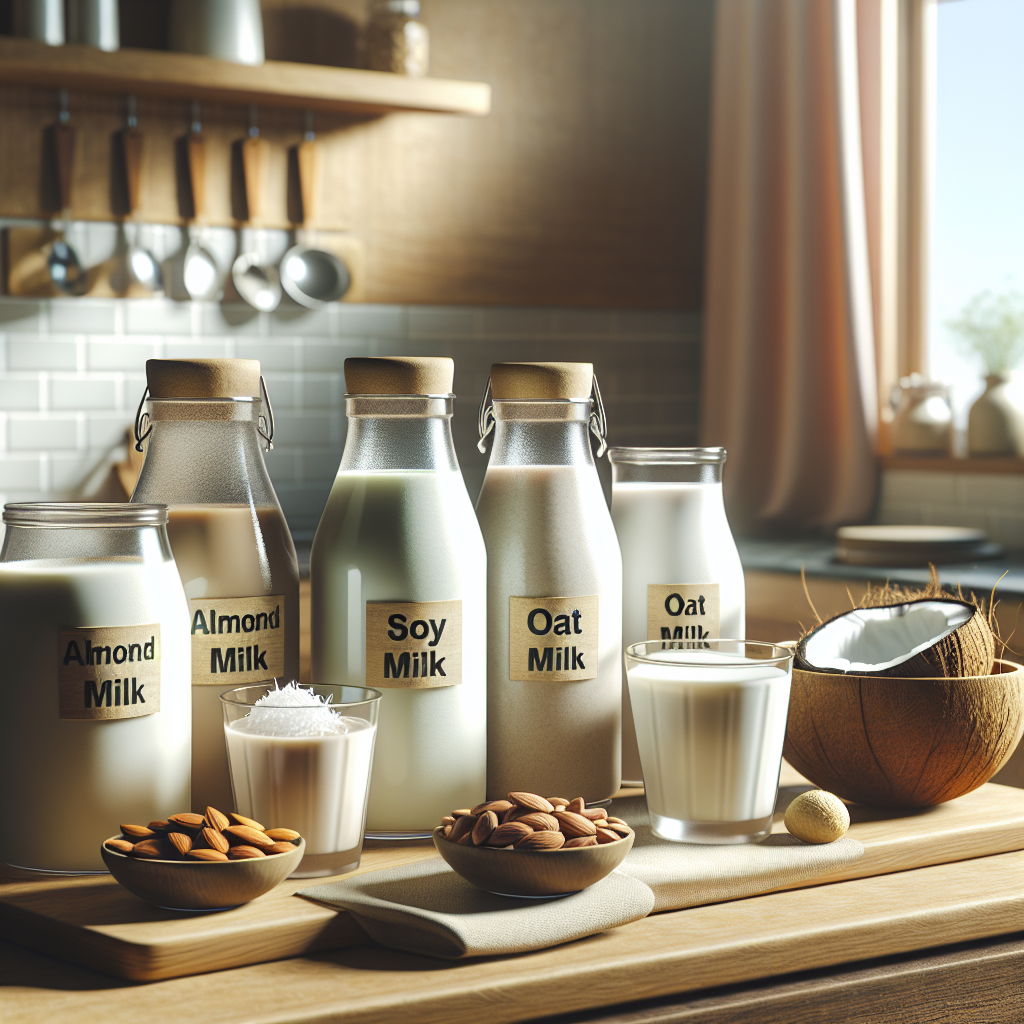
x=427, y=908
x=688, y=875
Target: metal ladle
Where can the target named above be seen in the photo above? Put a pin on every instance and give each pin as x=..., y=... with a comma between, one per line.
x=62, y=261
x=312, y=277
x=254, y=277
x=199, y=274
x=136, y=268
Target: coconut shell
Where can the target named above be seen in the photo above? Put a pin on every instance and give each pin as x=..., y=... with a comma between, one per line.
x=969, y=650
x=903, y=742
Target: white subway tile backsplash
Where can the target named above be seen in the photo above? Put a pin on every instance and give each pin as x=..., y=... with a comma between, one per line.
x=293, y=321
x=157, y=316
x=505, y=323
x=369, y=321
x=83, y=316
x=1000, y=490
x=429, y=323
x=319, y=355
x=19, y=472
x=104, y=430
x=19, y=391
x=323, y=390
x=42, y=432
x=120, y=353
x=25, y=352
x=83, y=392
x=196, y=348
x=279, y=354
x=21, y=316
x=232, y=318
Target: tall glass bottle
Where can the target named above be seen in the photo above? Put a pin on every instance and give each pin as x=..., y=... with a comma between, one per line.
x=398, y=575
x=681, y=573
x=229, y=538
x=554, y=586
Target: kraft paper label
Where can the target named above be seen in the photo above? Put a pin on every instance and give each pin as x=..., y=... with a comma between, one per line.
x=109, y=672
x=237, y=640
x=682, y=611
x=413, y=645
x=552, y=639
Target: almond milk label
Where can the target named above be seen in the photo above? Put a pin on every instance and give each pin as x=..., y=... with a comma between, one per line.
x=415, y=645
x=682, y=611
x=109, y=672
x=237, y=640
x=552, y=639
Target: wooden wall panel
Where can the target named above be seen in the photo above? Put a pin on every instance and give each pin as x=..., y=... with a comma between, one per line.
x=585, y=185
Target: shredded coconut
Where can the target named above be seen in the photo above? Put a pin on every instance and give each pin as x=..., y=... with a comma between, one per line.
x=294, y=710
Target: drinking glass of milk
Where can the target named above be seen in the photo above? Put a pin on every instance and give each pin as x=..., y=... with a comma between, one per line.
x=681, y=573
x=710, y=720
x=300, y=758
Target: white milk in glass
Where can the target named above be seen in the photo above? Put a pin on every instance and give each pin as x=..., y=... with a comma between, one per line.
x=710, y=740
x=681, y=573
x=399, y=601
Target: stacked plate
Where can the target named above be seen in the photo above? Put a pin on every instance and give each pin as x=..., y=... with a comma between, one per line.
x=904, y=546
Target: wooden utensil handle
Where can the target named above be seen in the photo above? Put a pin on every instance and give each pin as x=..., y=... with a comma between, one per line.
x=64, y=146
x=309, y=179
x=197, y=173
x=131, y=142
x=255, y=153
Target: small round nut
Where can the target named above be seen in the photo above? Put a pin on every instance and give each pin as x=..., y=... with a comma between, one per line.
x=817, y=817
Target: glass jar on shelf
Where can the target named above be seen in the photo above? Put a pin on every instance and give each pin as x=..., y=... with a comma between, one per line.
x=396, y=40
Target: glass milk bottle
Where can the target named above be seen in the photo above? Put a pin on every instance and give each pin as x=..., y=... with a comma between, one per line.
x=95, y=688
x=229, y=537
x=398, y=574
x=681, y=572
x=554, y=587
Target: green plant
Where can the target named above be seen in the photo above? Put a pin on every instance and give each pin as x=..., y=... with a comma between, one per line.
x=991, y=327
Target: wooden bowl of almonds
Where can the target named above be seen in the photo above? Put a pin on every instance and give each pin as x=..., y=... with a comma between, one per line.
x=533, y=846
x=209, y=861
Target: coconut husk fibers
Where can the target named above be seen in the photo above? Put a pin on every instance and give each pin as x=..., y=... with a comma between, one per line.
x=907, y=742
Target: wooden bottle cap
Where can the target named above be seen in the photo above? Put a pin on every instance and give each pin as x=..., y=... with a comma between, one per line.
x=541, y=381
x=399, y=375
x=203, y=378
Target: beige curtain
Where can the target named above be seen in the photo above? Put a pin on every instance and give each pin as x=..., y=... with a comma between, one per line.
x=789, y=368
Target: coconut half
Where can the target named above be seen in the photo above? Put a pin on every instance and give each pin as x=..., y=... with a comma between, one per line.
x=927, y=637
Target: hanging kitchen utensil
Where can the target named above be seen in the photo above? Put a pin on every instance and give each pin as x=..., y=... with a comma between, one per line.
x=62, y=261
x=136, y=269
x=199, y=274
x=312, y=277
x=254, y=276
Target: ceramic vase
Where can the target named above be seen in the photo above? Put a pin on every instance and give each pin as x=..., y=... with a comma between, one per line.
x=996, y=422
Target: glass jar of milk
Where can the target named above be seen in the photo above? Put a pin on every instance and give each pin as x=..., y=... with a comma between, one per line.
x=95, y=688
x=398, y=574
x=229, y=537
x=554, y=587
x=681, y=573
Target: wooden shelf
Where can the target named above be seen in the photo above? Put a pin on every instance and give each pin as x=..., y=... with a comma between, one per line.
x=948, y=464
x=274, y=83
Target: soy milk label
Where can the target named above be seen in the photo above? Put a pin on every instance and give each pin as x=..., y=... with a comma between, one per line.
x=414, y=645
x=552, y=639
x=109, y=672
x=682, y=611
x=237, y=640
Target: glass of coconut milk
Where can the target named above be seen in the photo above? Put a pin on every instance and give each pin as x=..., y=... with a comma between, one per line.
x=710, y=719
x=300, y=758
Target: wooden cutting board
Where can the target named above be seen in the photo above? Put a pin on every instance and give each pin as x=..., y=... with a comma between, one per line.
x=91, y=920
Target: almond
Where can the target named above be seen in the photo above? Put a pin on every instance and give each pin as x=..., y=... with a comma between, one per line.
x=206, y=855
x=463, y=826
x=181, y=842
x=447, y=820
x=556, y=800
x=594, y=813
x=283, y=835
x=247, y=835
x=531, y=802
x=279, y=847
x=121, y=845
x=466, y=839
x=137, y=831
x=191, y=822
x=152, y=849
x=577, y=806
x=614, y=826
x=159, y=825
x=574, y=825
x=498, y=806
x=215, y=840
x=461, y=812
x=216, y=819
x=509, y=833
x=241, y=819
x=244, y=853
x=485, y=825
x=575, y=844
x=605, y=835
x=447, y=831
x=514, y=813
x=612, y=820
x=543, y=840
x=539, y=821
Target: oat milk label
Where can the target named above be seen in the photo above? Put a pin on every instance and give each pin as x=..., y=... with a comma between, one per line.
x=237, y=640
x=682, y=611
x=109, y=672
x=414, y=645
x=552, y=639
